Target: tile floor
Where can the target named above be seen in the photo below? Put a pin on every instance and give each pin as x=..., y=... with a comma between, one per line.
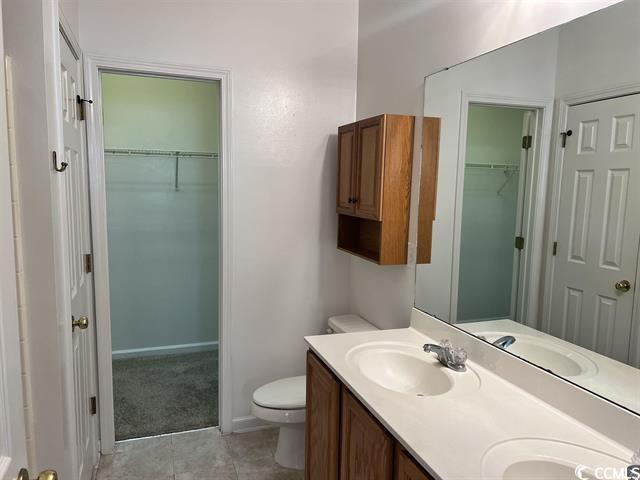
x=199, y=455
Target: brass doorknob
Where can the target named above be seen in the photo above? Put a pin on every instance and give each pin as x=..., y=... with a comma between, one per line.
x=82, y=323
x=623, y=285
x=23, y=474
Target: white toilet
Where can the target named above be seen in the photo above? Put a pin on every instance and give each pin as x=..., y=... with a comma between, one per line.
x=283, y=402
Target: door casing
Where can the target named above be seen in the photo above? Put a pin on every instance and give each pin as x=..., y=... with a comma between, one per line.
x=94, y=66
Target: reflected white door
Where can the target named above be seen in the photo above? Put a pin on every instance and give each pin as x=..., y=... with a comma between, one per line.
x=13, y=455
x=598, y=227
x=76, y=192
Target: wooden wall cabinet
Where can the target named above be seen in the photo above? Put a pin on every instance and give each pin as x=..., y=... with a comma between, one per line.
x=374, y=187
x=343, y=440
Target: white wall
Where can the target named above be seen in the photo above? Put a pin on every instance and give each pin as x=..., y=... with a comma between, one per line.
x=399, y=43
x=293, y=68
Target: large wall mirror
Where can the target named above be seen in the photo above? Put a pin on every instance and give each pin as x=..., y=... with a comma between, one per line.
x=536, y=238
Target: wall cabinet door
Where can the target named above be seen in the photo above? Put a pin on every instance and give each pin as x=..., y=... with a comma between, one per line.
x=406, y=468
x=367, y=448
x=347, y=149
x=368, y=191
x=322, y=422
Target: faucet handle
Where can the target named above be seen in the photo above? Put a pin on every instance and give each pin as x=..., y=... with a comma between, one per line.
x=459, y=356
x=446, y=344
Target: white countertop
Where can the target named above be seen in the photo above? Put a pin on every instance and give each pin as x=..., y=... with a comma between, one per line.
x=450, y=434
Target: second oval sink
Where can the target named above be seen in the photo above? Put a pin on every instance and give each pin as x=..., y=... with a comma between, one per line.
x=406, y=369
x=561, y=360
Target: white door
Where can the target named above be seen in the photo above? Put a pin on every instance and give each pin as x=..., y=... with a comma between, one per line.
x=598, y=227
x=12, y=435
x=79, y=243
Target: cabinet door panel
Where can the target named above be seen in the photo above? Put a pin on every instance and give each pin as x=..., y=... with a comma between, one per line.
x=369, y=170
x=322, y=422
x=347, y=147
x=406, y=468
x=367, y=448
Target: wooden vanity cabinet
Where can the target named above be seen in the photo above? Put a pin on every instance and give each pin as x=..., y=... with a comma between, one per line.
x=343, y=440
x=366, y=447
x=322, y=438
x=374, y=187
x=406, y=467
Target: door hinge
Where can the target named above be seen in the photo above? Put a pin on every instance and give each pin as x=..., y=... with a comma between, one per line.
x=82, y=102
x=555, y=248
x=519, y=243
x=526, y=142
x=93, y=405
x=564, y=136
x=88, y=263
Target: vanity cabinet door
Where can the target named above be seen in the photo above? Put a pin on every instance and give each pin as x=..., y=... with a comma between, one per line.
x=322, y=442
x=347, y=148
x=406, y=468
x=368, y=199
x=367, y=448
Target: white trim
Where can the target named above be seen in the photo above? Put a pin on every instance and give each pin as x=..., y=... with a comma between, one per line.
x=534, y=208
x=94, y=63
x=560, y=125
x=249, y=424
x=165, y=350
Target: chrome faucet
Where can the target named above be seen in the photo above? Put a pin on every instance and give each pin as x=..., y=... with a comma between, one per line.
x=453, y=358
x=505, y=342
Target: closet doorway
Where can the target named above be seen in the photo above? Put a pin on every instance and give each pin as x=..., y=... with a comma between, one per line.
x=161, y=163
x=498, y=163
x=158, y=191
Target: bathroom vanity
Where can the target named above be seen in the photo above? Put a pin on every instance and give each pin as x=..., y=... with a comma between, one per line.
x=344, y=440
x=379, y=407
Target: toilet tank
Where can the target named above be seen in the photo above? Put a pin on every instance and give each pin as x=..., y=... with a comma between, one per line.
x=349, y=323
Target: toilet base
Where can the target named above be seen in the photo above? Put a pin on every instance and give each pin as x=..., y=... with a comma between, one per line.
x=290, y=450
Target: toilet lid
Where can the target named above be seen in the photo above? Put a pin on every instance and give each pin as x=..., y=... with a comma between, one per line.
x=285, y=394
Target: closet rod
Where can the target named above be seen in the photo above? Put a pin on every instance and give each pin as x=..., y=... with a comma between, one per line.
x=159, y=153
x=492, y=166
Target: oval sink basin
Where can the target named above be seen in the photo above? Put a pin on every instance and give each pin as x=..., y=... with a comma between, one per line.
x=528, y=458
x=555, y=357
x=406, y=369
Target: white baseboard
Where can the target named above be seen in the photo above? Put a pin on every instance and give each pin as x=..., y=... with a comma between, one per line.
x=249, y=424
x=165, y=350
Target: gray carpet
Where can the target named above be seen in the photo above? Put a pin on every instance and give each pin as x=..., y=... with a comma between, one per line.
x=165, y=394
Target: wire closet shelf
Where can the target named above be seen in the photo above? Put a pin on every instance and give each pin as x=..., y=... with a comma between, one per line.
x=171, y=154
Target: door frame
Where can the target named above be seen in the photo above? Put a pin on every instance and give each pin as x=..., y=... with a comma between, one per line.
x=560, y=125
x=533, y=209
x=94, y=65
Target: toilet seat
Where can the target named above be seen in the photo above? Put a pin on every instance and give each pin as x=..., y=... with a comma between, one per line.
x=277, y=416
x=284, y=394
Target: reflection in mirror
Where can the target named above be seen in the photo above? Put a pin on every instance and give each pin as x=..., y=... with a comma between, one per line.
x=536, y=235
